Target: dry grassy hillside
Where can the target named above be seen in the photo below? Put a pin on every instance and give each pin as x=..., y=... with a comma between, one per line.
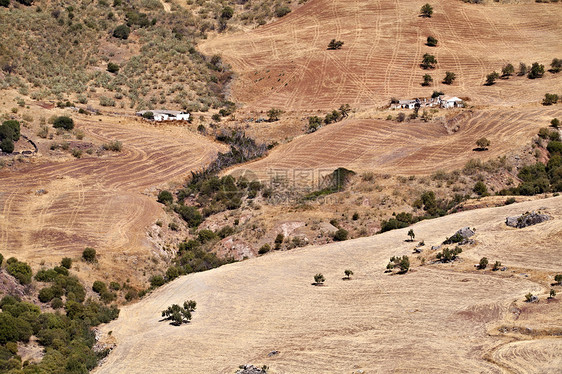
x=96, y=202
x=435, y=318
x=407, y=148
x=286, y=65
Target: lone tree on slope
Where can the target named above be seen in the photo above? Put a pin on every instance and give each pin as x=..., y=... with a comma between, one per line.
x=426, y=10
x=319, y=279
x=411, y=235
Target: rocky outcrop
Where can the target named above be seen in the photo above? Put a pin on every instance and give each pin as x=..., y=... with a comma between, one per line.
x=527, y=219
x=461, y=236
x=251, y=369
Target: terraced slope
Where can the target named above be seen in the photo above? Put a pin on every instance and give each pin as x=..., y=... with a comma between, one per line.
x=96, y=202
x=286, y=65
x=407, y=148
x=433, y=319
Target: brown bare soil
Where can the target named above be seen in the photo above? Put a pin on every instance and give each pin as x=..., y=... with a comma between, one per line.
x=105, y=203
x=436, y=318
x=408, y=148
x=286, y=65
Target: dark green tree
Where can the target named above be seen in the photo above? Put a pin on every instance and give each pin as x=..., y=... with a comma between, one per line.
x=427, y=79
x=449, y=77
x=491, y=78
x=428, y=61
x=431, y=41
x=426, y=10
x=537, y=71
x=508, y=70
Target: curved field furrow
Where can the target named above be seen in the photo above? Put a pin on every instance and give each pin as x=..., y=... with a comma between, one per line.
x=406, y=148
x=96, y=201
x=384, y=42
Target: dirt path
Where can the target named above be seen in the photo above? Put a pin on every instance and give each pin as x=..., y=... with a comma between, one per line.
x=433, y=319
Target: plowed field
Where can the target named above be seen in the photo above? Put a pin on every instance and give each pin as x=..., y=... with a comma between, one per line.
x=286, y=64
x=97, y=202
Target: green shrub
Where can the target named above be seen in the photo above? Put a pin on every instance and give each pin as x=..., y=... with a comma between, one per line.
x=46, y=275
x=89, y=255
x=428, y=61
x=12, y=126
x=554, y=147
x=66, y=262
x=264, y=249
x=282, y=11
x=99, y=287
x=5, y=3
x=46, y=294
x=63, y=122
x=7, y=145
x=480, y=189
x=157, y=281
x=165, y=197
x=483, y=263
x=115, y=286
x=112, y=67
x=21, y=271
x=1, y=259
x=491, y=78
x=340, y=235
x=148, y=115
x=122, y=32
x=205, y=236
x=57, y=303
x=190, y=215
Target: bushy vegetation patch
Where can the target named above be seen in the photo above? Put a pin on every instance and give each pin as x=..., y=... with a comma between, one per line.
x=66, y=335
x=179, y=314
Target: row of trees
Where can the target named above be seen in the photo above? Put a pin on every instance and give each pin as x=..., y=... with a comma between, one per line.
x=534, y=71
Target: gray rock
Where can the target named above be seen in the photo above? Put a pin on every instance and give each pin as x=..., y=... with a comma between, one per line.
x=272, y=353
x=525, y=220
x=465, y=232
x=250, y=369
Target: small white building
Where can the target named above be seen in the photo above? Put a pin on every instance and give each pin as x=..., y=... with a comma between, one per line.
x=166, y=115
x=451, y=102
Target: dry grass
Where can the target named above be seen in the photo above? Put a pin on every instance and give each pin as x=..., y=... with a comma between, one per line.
x=435, y=318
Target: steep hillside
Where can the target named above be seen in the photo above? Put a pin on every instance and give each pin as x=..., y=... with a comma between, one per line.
x=286, y=64
x=437, y=317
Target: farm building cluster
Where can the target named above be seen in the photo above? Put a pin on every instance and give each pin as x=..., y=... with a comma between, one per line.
x=164, y=115
x=442, y=101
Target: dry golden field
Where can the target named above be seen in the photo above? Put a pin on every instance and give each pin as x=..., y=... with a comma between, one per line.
x=105, y=203
x=286, y=65
x=408, y=148
x=436, y=318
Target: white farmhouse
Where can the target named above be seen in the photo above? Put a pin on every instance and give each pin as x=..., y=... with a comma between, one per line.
x=451, y=102
x=166, y=115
